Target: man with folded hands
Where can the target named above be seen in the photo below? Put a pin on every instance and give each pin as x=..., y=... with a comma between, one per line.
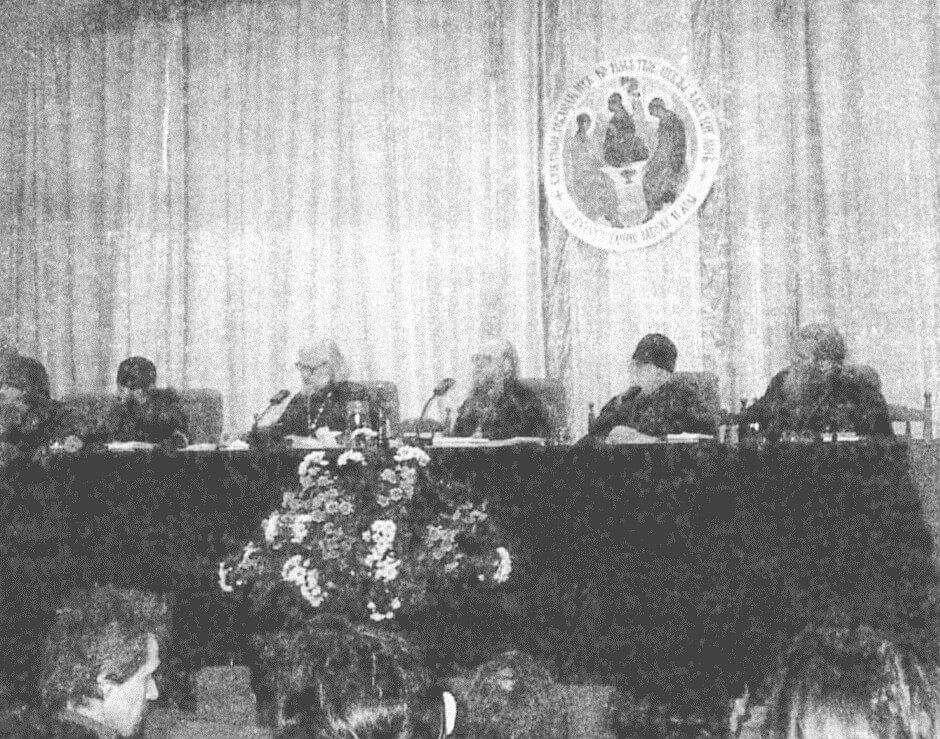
x=499, y=406
x=146, y=413
x=657, y=403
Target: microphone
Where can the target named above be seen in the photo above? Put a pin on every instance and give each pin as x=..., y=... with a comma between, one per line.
x=442, y=388
x=279, y=397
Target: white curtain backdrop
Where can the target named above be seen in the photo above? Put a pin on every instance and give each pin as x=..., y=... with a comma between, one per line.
x=211, y=184
x=827, y=205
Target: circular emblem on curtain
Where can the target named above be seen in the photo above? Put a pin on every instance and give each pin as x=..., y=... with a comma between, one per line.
x=631, y=152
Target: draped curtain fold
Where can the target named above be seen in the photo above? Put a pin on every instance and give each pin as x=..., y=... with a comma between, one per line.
x=213, y=182
x=825, y=208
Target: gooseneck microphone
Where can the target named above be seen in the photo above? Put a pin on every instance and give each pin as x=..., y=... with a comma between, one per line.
x=279, y=397
x=442, y=388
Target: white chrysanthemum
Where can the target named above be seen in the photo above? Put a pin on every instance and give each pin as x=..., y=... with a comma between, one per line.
x=270, y=526
x=351, y=456
x=503, y=567
x=377, y=615
x=308, y=470
x=388, y=475
x=386, y=569
x=299, y=527
x=412, y=453
x=250, y=548
x=310, y=588
x=293, y=571
x=223, y=579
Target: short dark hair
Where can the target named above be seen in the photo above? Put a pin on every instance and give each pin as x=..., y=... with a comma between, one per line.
x=658, y=350
x=101, y=629
x=137, y=373
x=27, y=374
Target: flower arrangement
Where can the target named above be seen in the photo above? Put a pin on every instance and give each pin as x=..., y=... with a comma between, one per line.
x=367, y=536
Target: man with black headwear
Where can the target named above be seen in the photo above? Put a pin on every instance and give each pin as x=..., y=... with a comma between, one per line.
x=657, y=403
x=146, y=413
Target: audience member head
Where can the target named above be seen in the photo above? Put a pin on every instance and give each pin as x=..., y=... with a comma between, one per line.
x=513, y=696
x=820, y=344
x=101, y=656
x=653, y=362
x=326, y=669
x=430, y=717
x=494, y=363
x=23, y=378
x=839, y=683
x=136, y=377
x=320, y=364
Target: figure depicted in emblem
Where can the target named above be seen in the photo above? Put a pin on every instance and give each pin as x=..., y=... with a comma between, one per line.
x=666, y=171
x=589, y=188
x=621, y=144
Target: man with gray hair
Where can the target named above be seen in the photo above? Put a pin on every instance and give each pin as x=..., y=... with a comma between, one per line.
x=819, y=393
x=325, y=393
x=499, y=406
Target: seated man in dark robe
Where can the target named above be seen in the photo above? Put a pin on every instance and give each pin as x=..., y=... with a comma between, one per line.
x=499, y=406
x=145, y=412
x=820, y=393
x=657, y=403
x=327, y=399
x=29, y=418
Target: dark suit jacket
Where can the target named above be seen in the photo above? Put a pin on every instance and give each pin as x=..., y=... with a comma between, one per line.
x=674, y=408
x=154, y=422
x=518, y=411
x=44, y=420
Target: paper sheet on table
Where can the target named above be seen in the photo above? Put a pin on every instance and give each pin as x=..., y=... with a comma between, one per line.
x=323, y=440
x=205, y=447
x=474, y=442
x=843, y=436
x=130, y=446
x=688, y=438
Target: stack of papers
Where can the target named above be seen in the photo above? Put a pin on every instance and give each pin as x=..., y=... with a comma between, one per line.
x=688, y=438
x=130, y=446
x=843, y=436
x=201, y=448
x=476, y=443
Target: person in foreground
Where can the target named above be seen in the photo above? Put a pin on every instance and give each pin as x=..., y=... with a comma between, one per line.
x=499, y=406
x=99, y=664
x=840, y=683
x=818, y=392
x=29, y=418
x=657, y=402
x=146, y=413
x=325, y=393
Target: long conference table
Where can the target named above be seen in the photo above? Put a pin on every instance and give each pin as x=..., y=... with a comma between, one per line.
x=677, y=570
